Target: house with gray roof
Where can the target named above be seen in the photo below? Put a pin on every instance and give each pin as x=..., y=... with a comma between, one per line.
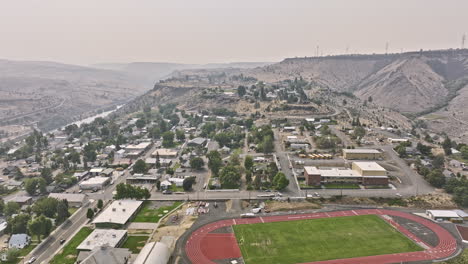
x=19, y=241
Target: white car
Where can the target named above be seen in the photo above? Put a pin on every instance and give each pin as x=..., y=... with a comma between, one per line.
x=31, y=260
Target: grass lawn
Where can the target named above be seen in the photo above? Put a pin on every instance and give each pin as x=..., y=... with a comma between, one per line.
x=150, y=215
x=22, y=252
x=69, y=253
x=135, y=243
x=341, y=186
x=377, y=187
x=174, y=188
x=72, y=210
x=319, y=239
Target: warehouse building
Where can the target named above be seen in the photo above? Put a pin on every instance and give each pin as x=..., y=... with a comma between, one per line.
x=73, y=199
x=365, y=173
x=95, y=183
x=442, y=215
x=118, y=214
x=362, y=154
x=156, y=252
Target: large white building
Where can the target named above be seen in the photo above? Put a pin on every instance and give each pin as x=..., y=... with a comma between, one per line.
x=101, y=237
x=366, y=173
x=361, y=154
x=97, y=183
x=118, y=213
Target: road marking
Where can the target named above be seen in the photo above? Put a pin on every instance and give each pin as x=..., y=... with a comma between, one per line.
x=354, y=212
x=262, y=219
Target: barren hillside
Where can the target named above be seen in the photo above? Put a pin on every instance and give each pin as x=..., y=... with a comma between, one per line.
x=406, y=85
x=51, y=94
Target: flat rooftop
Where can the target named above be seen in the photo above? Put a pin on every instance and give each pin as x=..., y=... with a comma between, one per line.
x=71, y=197
x=119, y=212
x=165, y=152
x=372, y=166
x=331, y=172
x=312, y=170
x=443, y=213
x=95, y=180
x=100, y=237
x=361, y=151
x=337, y=172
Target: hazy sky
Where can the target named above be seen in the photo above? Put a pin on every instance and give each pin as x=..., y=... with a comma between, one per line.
x=202, y=31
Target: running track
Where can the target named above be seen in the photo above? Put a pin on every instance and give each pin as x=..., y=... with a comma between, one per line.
x=202, y=246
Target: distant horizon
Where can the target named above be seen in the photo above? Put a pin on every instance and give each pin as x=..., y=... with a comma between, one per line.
x=234, y=62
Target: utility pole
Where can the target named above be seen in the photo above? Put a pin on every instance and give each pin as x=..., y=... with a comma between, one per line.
x=463, y=41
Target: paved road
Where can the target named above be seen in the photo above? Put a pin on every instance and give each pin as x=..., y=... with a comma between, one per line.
x=46, y=250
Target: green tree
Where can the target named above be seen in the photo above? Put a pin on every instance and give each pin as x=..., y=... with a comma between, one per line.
x=45, y=206
x=447, y=146
x=12, y=255
x=223, y=139
x=155, y=132
x=18, y=224
x=280, y=182
x=90, y=213
x=11, y=208
x=100, y=204
x=168, y=139
x=40, y=226
x=140, y=123
x=197, y=163
x=188, y=182
x=401, y=150
x=241, y=90
x=140, y=167
x=267, y=145
x=46, y=174
x=424, y=149
x=128, y=191
x=248, y=163
x=359, y=132
x=438, y=161
x=230, y=177
x=436, y=178
x=180, y=135
x=62, y=212
x=31, y=185
x=214, y=162
x=89, y=151
x=2, y=205
x=464, y=152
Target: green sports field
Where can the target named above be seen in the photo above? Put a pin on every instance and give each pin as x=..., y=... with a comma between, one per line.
x=319, y=239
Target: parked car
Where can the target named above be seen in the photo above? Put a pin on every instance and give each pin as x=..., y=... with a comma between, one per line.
x=31, y=260
x=167, y=192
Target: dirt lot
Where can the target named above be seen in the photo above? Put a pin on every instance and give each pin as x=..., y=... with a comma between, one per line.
x=277, y=206
x=429, y=201
x=167, y=228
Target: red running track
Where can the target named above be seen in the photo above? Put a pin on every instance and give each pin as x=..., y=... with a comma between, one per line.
x=203, y=247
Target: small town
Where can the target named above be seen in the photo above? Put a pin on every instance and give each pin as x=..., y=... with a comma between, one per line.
x=233, y=132
x=131, y=185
